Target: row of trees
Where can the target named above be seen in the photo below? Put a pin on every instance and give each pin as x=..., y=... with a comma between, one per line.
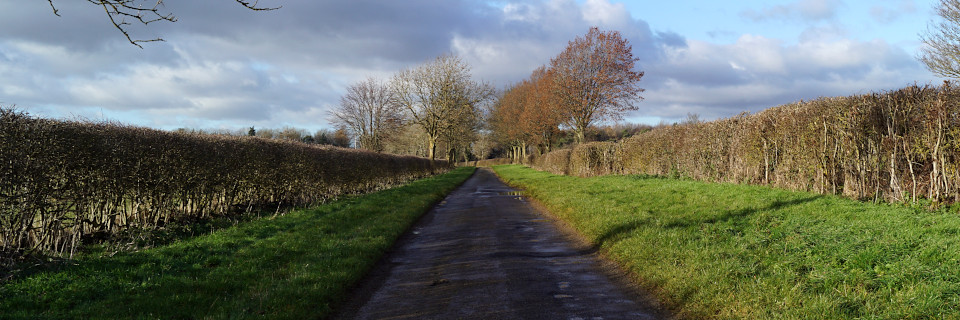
x=592, y=80
x=337, y=138
x=437, y=103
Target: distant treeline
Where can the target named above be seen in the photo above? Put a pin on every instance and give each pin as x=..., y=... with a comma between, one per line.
x=61, y=182
x=338, y=138
x=897, y=146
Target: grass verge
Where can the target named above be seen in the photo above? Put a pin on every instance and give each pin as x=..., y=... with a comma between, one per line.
x=727, y=251
x=292, y=267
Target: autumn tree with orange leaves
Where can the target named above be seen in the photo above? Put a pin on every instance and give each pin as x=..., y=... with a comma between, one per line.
x=525, y=115
x=505, y=123
x=594, y=79
x=541, y=117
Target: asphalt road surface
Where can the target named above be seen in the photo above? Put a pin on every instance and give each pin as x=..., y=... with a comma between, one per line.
x=486, y=253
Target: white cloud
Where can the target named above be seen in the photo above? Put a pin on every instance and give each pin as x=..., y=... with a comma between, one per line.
x=758, y=54
x=602, y=12
x=519, y=12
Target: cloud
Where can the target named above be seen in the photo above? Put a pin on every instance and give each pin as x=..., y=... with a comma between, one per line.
x=601, y=12
x=225, y=66
x=807, y=10
x=220, y=62
x=885, y=14
x=755, y=73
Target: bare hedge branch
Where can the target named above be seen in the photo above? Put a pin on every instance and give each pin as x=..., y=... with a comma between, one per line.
x=62, y=182
x=897, y=146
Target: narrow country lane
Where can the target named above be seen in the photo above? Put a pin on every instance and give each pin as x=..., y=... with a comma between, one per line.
x=485, y=253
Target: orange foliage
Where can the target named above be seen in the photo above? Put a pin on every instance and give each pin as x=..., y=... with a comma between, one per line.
x=594, y=79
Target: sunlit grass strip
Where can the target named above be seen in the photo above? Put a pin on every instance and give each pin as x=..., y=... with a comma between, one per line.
x=295, y=267
x=730, y=251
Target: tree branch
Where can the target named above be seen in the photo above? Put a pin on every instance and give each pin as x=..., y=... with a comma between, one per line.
x=55, y=11
x=254, y=5
x=119, y=10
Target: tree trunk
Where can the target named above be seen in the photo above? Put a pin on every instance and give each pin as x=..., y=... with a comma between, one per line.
x=432, y=148
x=523, y=152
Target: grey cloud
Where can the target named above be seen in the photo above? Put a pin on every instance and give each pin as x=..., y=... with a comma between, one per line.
x=339, y=31
x=809, y=10
x=35, y=21
x=699, y=81
x=529, y=34
x=672, y=39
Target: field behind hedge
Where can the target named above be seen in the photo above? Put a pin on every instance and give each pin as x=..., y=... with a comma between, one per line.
x=898, y=146
x=63, y=181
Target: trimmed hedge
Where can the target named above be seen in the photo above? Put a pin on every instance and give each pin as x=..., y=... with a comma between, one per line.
x=595, y=158
x=900, y=145
x=63, y=181
x=556, y=162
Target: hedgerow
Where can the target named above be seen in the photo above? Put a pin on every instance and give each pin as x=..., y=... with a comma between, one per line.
x=64, y=181
x=897, y=146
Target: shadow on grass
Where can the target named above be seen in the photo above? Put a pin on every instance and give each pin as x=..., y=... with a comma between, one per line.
x=620, y=231
x=740, y=213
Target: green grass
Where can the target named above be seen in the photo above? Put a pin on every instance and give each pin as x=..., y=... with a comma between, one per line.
x=730, y=251
x=297, y=266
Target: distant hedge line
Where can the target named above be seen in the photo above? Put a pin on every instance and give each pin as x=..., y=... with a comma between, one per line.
x=485, y=162
x=61, y=181
x=901, y=145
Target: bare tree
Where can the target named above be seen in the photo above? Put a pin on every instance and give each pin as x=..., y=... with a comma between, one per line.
x=123, y=13
x=439, y=96
x=942, y=52
x=594, y=79
x=292, y=134
x=341, y=138
x=369, y=111
x=463, y=132
x=409, y=139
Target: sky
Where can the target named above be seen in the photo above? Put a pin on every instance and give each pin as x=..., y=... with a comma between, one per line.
x=224, y=67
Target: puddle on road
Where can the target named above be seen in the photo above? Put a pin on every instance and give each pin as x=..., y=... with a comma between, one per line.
x=499, y=192
x=516, y=194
